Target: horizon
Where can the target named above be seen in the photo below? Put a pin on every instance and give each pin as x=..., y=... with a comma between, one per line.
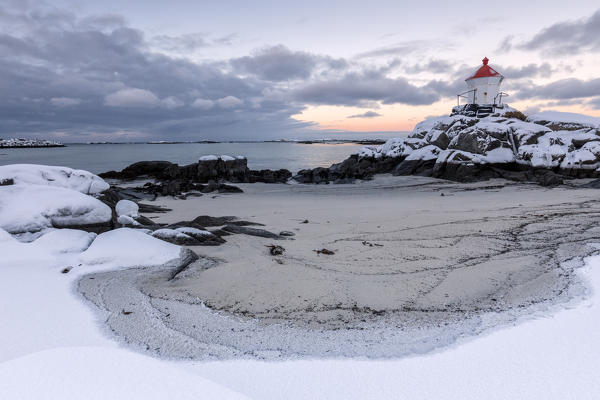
x=78, y=71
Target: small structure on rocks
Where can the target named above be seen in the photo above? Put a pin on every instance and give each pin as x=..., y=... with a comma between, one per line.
x=484, y=95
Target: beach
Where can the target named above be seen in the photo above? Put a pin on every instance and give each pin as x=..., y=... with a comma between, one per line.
x=417, y=264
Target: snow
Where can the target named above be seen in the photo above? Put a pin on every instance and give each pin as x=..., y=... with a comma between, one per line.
x=45, y=248
x=227, y=158
x=550, y=356
x=76, y=179
x=36, y=208
x=103, y=373
x=209, y=158
x=51, y=346
x=170, y=233
x=193, y=231
x=127, y=208
x=126, y=220
x=566, y=118
x=129, y=248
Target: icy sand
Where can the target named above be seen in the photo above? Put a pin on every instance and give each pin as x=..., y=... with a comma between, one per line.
x=449, y=267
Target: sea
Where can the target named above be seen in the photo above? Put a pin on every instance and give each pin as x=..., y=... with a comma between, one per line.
x=98, y=158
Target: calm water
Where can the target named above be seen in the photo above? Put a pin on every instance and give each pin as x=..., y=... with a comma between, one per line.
x=104, y=157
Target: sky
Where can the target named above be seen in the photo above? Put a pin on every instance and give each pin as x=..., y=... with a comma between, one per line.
x=110, y=70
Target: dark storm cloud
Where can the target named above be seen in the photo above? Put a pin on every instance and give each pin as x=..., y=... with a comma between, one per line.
x=361, y=89
x=568, y=37
x=278, y=63
x=368, y=114
x=80, y=76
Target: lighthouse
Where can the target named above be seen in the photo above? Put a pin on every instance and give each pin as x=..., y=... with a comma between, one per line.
x=484, y=95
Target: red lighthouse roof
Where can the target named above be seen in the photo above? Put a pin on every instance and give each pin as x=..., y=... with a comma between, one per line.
x=485, y=71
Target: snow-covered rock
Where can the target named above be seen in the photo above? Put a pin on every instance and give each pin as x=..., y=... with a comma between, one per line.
x=564, y=120
x=30, y=210
x=129, y=248
x=127, y=208
x=33, y=174
x=173, y=236
x=499, y=140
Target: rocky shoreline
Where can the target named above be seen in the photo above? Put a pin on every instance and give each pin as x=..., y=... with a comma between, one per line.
x=545, y=148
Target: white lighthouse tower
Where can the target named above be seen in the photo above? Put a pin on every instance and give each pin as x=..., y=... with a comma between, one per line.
x=484, y=94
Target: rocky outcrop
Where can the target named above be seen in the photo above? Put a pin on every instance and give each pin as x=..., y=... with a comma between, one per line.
x=207, y=169
x=464, y=148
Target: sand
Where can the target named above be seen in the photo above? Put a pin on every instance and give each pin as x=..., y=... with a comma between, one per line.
x=419, y=264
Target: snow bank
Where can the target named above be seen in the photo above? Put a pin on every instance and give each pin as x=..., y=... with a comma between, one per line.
x=556, y=117
x=102, y=373
x=36, y=208
x=127, y=247
x=45, y=250
x=76, y=179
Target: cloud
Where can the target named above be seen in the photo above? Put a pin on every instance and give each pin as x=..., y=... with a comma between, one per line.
x=368, y=114
x=184, y=43
x=594, y=103
x=171, y=103
x=563, y=89
x=121, y=84
x=229, y=102
x=278, y=63
x=406, y=48
x=544, y=70
x=132, y=97
x=433, y=66
x=359, y=89
x=568, y=37
x=64, y=101
x=203, y=104
x=505, y=45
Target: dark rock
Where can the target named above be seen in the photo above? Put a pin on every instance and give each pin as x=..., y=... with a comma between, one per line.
x=149, y=208
x=474, y=141
x=595, y=184
x=7, y=182
x=442, y=141
x=251, y=231
x=206, y=220
x=275, y=250
x=414, y=167
x=325, y=251
x=286, y=233
x=548, y=178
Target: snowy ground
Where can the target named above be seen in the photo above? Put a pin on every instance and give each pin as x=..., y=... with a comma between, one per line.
x=53, y=348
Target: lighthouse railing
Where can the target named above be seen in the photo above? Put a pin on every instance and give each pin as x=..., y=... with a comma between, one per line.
x=464, y=95
x=498, y=99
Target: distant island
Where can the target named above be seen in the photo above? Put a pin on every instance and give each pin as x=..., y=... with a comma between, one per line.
x=28, y=143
